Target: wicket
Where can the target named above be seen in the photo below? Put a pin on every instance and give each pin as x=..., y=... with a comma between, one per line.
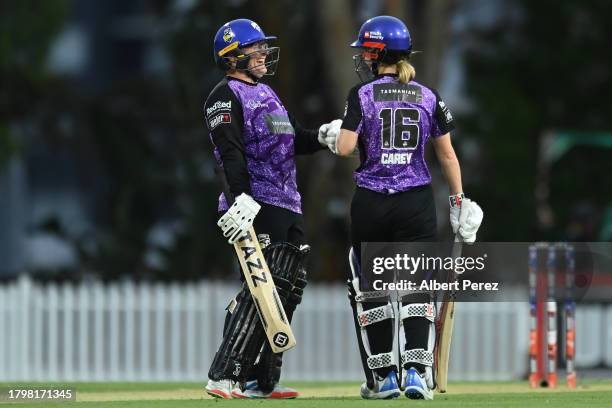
x=543, y=313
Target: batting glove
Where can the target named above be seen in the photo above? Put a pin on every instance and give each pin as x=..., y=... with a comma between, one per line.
x=328, y=134
x=465, y=217
x=239, y=218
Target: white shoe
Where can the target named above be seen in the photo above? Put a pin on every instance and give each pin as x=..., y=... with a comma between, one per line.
x=416, y=386
x=220, y=389
x=252, y=390
x=384, y=388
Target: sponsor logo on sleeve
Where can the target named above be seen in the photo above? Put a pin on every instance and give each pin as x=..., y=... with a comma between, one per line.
x=447, y=115
x=345, y=110
x=219, y=119
x=218, y=106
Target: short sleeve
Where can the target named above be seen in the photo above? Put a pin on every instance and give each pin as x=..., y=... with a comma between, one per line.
x=352, y=111
x=442, y=118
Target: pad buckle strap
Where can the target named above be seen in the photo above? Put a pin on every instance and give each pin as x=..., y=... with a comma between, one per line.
x=425, y=310
x=380, y=360
x=365, y=296
x=232, y=306
x=375, y=315
x=420, y=356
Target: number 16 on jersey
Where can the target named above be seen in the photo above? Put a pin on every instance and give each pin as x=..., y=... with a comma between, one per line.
x=399, y=130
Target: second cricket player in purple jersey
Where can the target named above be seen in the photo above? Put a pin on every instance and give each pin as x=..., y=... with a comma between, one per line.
x=389, y=118
x=394, y=122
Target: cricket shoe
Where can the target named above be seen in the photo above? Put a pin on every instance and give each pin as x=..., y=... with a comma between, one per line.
x=220, y=389
x=416, y=386
x=252, y=390
x=384, y=388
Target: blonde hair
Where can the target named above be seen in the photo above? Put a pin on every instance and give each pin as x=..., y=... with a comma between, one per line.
x=405, y=71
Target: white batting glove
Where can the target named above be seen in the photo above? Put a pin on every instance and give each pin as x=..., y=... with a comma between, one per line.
x=238, y=218
x=328, y=134
x=470, y=225
x=323, y=133
x=465, y=217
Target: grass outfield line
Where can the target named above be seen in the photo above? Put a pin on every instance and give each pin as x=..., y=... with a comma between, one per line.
x=593, y=393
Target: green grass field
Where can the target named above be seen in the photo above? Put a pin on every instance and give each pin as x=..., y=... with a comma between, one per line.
x=329, y=395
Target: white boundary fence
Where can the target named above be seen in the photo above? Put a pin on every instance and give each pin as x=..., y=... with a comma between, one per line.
x=156, y=332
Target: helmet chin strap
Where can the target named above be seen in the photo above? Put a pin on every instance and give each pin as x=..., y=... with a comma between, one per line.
x=374, y=68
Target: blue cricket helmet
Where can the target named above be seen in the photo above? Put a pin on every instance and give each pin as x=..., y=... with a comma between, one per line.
x=383, y=39
x=237, y=34
x=384, y=33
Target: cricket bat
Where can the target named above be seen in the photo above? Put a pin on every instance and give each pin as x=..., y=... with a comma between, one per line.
x=262, y=288
x=445, y=330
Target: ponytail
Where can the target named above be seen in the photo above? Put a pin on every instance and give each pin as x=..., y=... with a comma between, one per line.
x=405, y=71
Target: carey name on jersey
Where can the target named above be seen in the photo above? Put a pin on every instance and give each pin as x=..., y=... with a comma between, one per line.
x=395, y=158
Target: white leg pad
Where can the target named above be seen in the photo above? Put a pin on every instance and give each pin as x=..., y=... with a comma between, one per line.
x=421, y=356
x=371, y=316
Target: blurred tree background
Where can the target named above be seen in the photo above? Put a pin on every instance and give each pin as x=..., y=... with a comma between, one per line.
x=541, y=69
x=106, y=169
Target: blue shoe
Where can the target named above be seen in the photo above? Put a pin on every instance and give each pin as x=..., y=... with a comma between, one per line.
x=385, y=388
x=416, y=386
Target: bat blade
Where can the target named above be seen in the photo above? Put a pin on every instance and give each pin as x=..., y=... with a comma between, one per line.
x=262, y=288
x=446, y=322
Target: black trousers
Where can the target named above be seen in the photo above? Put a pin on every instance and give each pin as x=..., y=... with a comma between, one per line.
x=403, y=217
x=282, y=225
x=409, y=216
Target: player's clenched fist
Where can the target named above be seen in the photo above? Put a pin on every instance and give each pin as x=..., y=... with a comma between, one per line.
x=328, y=133
x=238, y=218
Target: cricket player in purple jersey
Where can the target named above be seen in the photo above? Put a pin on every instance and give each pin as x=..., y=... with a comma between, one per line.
x=255, y=142
x=389, y=118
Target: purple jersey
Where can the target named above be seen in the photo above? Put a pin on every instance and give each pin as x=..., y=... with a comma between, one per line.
x=268, y=139
x=255, y=143
x=394, y=121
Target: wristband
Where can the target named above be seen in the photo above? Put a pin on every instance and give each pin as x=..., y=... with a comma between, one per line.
x=456, y=200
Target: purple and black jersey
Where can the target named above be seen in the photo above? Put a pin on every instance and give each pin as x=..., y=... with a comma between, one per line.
x=255, y=142
x=394, y=121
